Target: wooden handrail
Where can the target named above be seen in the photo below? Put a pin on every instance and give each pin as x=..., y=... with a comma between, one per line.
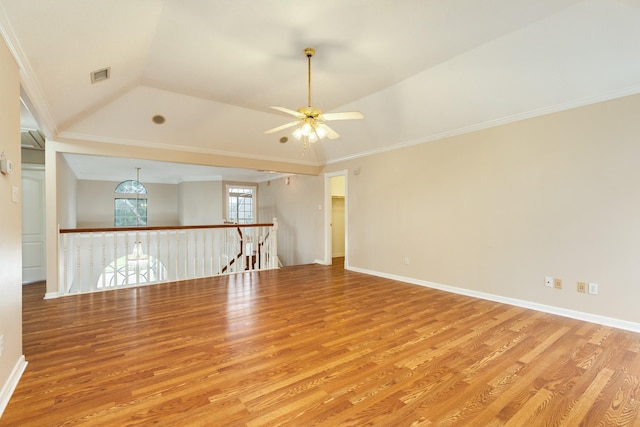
x=161, y=227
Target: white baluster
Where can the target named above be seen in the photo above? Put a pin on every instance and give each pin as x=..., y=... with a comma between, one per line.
x=103, y=263
x=77, y=275
x=273, y=237
x=195, y=253
x=63, y=288
x=91, y=263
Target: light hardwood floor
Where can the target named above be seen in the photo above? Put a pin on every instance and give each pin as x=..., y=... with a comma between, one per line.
x=315, y=345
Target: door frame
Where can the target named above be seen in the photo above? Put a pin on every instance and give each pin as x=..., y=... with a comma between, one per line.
x=328, y=247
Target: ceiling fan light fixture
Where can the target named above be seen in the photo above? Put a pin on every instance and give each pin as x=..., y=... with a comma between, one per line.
x=309, y=132
x=313, y=137
x=321, y=132
x=310, y=126
x=307, y=129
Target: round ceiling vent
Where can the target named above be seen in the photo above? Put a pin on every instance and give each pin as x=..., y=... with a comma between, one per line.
x=158, y=119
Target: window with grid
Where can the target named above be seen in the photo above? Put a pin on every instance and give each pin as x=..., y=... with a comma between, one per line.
x=130, y=211
x=241, y=204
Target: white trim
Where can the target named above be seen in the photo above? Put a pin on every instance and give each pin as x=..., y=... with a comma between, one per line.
x=573, y=314
x=50, y=295
x=12, y=382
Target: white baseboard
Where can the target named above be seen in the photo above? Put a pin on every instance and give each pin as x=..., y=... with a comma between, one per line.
x=12, y=382
x=50, y=295
x=573, y=314
x=328, y=262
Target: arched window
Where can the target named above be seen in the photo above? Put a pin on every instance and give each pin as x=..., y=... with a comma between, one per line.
x=131, y=186
x=130, y=211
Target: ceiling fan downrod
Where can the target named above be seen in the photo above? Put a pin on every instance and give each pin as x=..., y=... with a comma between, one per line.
x=309, y=52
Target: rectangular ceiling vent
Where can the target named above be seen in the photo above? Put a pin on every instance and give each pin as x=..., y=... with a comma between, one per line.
x=100, y=75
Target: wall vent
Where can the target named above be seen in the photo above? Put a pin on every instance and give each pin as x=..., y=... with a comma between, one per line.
x=100, y=75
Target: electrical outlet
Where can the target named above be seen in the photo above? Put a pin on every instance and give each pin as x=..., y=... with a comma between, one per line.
x=548, y=281
x=1, y=345
x=406, y=261
x=582, y=287
x=593, y=288
x=557, y=283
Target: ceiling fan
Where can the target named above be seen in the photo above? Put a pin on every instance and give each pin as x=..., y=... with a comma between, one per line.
x=311, y=126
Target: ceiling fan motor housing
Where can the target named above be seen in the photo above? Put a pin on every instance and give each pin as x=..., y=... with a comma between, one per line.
x=310, y=112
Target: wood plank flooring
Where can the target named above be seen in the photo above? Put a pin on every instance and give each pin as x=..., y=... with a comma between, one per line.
x=315, y=345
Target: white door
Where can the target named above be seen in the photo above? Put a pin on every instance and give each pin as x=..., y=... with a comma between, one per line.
x=33, y=228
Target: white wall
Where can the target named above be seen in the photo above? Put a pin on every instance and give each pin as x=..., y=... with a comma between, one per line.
x=95, y=203
x=12, y=361
x=67, y=185
x=187, y=203
x=200, y=202
x=299, y=210
x=497, y=210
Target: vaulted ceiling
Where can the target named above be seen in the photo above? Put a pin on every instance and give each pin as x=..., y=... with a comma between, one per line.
x=418, y=70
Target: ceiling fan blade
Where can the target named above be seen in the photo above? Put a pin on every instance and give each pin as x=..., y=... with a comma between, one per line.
x=350, y=115
x=331, y=134
x=279, y=128
x=288, y=111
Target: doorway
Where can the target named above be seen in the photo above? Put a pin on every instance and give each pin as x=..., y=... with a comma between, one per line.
x=336, y=217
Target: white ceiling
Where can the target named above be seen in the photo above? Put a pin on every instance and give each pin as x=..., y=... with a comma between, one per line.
x=418, y=70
